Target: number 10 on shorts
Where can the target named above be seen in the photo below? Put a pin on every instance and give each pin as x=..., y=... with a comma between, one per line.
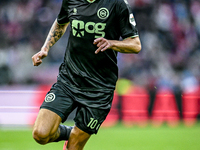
x=93, y=124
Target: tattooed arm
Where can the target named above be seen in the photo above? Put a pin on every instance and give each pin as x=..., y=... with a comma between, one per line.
x=53, y=36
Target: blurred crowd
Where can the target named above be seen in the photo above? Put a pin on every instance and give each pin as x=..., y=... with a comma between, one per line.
x=169, y=31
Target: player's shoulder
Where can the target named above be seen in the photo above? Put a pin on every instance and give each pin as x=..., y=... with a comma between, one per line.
x=121, y=3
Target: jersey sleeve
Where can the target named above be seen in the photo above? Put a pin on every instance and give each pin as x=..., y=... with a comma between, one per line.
x=127, y=22
x=63, y=14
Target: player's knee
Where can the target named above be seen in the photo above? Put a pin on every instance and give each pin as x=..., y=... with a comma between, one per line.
x=40, y=136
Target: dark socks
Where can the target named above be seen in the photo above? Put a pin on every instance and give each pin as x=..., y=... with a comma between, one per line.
x=64, y=133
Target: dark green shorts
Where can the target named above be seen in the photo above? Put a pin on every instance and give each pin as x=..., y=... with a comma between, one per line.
x=92, y=106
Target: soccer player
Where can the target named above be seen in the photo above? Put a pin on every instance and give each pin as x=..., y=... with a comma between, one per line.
x=89, y=72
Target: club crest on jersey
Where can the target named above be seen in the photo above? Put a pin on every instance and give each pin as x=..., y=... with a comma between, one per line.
x=103, y=13
x=132, y=20
x=50, y=97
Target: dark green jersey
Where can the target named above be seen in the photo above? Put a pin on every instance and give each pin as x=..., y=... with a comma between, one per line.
x=111, y=19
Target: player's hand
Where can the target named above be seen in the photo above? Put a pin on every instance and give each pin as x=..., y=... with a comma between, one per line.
x=102, y=44
x=37, y=58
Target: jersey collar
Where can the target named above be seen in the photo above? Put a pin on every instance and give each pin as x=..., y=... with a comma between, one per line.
x=91, y=1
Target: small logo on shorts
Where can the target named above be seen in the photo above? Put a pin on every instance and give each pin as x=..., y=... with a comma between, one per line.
x=103, y=13
x=50, y=97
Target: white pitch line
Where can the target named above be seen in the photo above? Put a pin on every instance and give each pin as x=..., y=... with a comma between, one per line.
x=18, y=107
x=21, y=92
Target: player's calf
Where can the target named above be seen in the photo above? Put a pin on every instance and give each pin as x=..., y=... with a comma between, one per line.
x=77, y=139
x=62, y=133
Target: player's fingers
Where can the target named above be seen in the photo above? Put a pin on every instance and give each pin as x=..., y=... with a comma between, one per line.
x=36, y=60
x=37, y=63
x=98, y=50
x=96, y=41
x=42, y=54
x=101, y=43
x=105, y=48
x=102, y=48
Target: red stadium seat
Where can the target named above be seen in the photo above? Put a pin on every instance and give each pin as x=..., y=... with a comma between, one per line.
x=165, y=108
x=135, y=107
x=190, y=103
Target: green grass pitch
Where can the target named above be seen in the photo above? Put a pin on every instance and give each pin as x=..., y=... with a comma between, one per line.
x=114, y=138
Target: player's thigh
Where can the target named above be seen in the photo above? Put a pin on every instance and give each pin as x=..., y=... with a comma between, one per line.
x=59, y=101
x=90, y=119
x=55, y=109
x=47, y=122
